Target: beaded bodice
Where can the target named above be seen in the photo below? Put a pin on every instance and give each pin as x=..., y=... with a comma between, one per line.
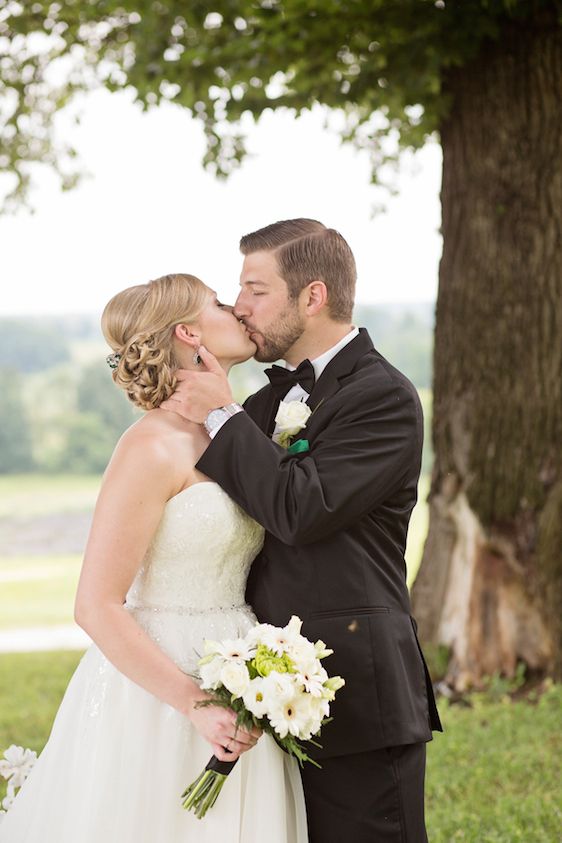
x=200, y=555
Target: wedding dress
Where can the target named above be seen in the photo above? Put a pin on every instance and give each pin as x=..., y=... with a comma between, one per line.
x=118, y=759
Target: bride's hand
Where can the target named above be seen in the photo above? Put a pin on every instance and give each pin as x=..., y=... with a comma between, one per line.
x=218, y=726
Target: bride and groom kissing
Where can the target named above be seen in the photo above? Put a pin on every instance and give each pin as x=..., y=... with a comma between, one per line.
x=204, y=523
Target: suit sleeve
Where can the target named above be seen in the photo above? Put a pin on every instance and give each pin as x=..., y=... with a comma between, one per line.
x=356, y=462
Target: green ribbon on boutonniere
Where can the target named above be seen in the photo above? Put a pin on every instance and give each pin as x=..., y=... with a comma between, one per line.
x=299, y=447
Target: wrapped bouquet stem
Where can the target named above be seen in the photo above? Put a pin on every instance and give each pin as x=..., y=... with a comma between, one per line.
x=273, y=679
x=203, y=792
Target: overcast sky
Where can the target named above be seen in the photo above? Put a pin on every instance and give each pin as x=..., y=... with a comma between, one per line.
x=149, y=208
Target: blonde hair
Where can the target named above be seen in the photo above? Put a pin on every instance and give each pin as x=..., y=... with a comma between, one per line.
x=138, y=323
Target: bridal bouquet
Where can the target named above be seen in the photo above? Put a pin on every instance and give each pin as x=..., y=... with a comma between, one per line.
x=273, y=679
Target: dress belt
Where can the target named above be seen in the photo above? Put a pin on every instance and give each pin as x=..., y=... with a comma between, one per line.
x=186, y=610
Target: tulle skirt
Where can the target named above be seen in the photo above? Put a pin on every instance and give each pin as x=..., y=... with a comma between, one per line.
x=117, y=762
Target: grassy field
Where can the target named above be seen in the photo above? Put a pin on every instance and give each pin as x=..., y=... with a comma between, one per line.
x=37, y=588
x=23, y=495
x=493, y=777
x=38, y=591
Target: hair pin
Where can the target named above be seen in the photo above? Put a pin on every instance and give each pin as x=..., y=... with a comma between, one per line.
x=113, y=360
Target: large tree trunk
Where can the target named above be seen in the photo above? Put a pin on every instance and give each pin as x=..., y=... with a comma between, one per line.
x=490, y=583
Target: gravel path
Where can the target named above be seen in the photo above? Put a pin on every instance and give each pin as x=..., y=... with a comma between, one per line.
x=43, y=638
x=53, y=534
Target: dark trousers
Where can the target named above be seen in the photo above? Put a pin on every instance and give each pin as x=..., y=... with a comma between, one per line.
x=372, y=797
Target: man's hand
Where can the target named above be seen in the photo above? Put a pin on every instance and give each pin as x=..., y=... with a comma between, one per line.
x=197, y=393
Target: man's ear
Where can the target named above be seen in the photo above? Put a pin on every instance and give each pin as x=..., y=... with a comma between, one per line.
x=316, y=297
x=187, y=335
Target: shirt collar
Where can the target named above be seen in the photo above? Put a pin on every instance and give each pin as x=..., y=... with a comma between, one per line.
x=320, y=363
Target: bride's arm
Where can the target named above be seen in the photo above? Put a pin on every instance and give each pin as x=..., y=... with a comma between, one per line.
x=139, y=480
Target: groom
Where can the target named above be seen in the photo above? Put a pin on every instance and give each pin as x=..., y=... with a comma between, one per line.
x=336, y=515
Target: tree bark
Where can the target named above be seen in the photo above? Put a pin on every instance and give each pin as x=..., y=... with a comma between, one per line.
x=490, y=582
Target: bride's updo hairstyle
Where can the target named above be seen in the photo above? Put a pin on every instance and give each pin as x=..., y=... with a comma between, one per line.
x=138, y=323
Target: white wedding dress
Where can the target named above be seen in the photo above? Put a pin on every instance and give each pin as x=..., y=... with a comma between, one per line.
x=118, y=759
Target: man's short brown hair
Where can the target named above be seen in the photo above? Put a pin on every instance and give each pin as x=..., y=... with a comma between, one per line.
x=306, y=251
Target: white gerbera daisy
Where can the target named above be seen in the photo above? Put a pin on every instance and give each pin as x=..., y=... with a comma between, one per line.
x=236, y=650
x=312, y=676
x=292, y=716
x=281, y=639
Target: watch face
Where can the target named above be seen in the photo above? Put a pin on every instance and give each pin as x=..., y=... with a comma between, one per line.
x=216, y=417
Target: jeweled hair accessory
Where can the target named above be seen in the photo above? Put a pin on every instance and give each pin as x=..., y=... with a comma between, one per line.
x=113, y=360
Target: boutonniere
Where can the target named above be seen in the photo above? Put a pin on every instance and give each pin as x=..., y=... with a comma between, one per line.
x=291, y=418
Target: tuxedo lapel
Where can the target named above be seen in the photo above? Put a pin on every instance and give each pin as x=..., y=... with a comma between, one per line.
x=343, y=364
x=262, y=409
x=270, y=412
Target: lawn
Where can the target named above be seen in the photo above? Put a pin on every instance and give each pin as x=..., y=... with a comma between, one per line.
x=23, y=495
x=493, y=777
x=38, y=591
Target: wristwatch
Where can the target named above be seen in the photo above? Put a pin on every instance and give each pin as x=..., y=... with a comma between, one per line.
x=216, y=418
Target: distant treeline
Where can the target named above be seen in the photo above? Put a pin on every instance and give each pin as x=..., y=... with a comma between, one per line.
x=61, y=412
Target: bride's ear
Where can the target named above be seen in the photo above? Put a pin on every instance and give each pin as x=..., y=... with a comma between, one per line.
x=187, y=335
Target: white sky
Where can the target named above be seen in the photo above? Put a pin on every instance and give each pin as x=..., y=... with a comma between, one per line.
x=149, y=208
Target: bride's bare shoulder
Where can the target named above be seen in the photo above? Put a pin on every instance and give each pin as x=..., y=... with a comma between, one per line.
x=166, y=442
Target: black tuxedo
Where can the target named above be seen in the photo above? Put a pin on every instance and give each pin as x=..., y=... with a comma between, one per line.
x=336, y=519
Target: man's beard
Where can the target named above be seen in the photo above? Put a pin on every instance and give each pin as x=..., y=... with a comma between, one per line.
x=281, y=335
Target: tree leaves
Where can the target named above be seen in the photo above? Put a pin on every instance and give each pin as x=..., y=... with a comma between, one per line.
x=237, y=58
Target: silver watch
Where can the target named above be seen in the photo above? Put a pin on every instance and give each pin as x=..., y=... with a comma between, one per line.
x=216, y=418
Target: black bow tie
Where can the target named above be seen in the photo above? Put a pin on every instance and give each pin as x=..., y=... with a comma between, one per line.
x=282, y=379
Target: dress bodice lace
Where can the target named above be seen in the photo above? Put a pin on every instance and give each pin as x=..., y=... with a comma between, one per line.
x=200, y=554
x=193, y=577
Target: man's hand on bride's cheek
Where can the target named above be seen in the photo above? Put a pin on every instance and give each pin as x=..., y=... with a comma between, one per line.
x=197, y=393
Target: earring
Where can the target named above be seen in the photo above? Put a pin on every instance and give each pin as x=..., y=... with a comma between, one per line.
x=196, y=358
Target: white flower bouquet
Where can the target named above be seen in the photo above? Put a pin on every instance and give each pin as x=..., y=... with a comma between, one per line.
x=273, y=679
x=15, y=766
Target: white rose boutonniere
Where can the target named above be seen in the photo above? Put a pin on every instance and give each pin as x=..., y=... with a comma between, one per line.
x=291, y=417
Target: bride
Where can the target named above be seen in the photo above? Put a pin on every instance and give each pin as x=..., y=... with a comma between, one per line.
x=165, y=567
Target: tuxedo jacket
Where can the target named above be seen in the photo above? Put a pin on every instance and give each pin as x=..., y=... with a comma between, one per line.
x=336, y=518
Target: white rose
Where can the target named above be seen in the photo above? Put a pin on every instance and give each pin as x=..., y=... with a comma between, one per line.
x=235, y=678
x=292, y=416
x=210, y=673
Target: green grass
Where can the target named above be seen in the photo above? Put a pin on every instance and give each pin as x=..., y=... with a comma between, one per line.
x=493, y=777
x=31, y=688
x=38, y=591
x=23, y=495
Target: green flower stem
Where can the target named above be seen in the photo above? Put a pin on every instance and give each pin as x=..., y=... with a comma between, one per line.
x=203, y=792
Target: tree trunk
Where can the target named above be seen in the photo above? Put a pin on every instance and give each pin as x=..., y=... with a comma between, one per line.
x=490, y=583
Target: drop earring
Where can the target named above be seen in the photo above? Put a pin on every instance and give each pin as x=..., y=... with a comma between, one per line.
x=196, y=358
